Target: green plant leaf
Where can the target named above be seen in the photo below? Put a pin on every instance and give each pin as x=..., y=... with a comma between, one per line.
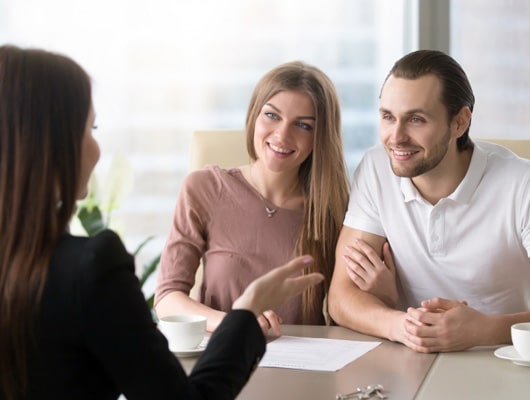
x=151, y=300
x=91, y=220
x=149, y=268
x=141, y=245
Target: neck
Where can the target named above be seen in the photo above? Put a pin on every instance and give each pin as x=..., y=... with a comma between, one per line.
x=281, y=189
x=443, y=180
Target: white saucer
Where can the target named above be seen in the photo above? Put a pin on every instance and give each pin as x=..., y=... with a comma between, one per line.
x=509, y=353
x=192, y=352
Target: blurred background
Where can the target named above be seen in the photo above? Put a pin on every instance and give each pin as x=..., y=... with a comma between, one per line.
x=164, y=68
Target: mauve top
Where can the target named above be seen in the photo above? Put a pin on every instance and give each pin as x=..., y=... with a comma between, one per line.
x=222, y=218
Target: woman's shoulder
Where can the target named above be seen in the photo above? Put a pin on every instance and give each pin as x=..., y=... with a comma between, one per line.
x=213, y=173
x=92, y=253
x=102, y=242
x=79, y=265
x=212, y=179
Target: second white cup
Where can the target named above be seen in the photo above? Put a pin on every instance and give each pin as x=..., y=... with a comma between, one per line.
x=183, y=332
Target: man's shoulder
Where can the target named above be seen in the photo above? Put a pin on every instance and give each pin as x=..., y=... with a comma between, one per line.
x=374, y=161
x=376, y=151
x=496, y=150
x=502, y=159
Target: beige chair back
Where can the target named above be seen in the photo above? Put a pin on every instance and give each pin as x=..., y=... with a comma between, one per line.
x=521, y=147
x=225, y=148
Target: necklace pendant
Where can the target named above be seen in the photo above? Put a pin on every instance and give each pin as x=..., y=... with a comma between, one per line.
x=270, y=211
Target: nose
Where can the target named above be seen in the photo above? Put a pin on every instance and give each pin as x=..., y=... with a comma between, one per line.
x=397, y=133
x=282, y=131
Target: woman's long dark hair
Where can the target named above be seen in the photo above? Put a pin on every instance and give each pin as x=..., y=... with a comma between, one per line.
x=45, y=100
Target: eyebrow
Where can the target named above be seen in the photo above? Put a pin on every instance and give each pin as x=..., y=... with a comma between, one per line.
x=408, y=112
x=299, y=117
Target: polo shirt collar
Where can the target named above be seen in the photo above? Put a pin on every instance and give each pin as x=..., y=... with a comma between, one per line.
x=465, y=189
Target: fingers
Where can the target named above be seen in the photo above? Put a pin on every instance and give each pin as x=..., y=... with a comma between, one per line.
x=420, y=337
x=295, y=265
x=277, y=286
x=354, y=268
x=438, y=303
x=442, y=325
x=387, y=257
x=366, y=258
x=310, y=279
x=364, y=265
x=274, y=321
x=299, y=283
x=420, y=345
x=369, y=252
x=354, y=276
x=358, y=267
x=423, y=316
x=264, y=324
x=269, y=320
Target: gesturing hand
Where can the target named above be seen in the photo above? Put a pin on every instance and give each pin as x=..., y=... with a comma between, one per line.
x=277, y=286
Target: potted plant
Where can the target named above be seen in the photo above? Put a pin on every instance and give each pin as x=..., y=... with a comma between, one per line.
x=94, y=212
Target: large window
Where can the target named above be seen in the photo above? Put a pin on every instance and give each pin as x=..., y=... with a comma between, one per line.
x=165, y=68
x=162, y=69
x=491, y=41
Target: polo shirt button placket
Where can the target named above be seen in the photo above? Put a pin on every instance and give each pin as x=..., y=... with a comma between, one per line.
x=436, y=232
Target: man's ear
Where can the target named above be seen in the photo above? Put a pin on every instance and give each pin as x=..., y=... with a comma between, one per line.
x=461, y=122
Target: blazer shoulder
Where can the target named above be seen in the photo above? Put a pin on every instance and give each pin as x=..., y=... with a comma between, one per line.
x=93, y=253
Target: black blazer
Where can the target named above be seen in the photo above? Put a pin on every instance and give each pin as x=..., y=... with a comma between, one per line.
x=95, y=337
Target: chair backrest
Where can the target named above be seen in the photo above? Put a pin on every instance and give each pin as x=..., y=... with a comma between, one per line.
x=225, y=148
x=521, y=147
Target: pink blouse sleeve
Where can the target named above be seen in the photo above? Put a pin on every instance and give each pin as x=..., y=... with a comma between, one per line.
x=187, y=238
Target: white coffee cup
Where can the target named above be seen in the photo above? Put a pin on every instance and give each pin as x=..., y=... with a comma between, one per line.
x=183, y=332
x=521, y=339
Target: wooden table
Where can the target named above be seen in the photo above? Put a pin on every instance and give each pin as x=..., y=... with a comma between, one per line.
x=474, y=374
x=405, y=374
x=400, y=370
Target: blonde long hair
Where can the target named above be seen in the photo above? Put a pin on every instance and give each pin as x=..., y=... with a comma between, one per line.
x=323, y=175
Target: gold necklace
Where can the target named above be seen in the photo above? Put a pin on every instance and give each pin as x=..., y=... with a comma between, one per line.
x=270, y=211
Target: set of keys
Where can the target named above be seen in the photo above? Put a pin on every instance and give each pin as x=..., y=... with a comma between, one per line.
x=366, y=392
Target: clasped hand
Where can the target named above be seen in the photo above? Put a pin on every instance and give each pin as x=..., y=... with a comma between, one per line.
x=438, y=325
x=442, y=325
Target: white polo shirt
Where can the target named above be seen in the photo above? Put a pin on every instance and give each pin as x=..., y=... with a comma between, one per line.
x=473, y=245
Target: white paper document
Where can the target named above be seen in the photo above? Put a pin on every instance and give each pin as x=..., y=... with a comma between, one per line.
x=315, y=354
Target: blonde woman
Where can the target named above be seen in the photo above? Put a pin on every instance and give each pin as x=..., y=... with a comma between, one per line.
x=290, y=200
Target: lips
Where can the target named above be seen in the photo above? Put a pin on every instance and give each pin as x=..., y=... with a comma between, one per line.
x=403, y=155
x=280, y=150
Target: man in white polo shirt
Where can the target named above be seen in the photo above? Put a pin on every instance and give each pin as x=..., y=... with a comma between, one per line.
x=434, y=252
